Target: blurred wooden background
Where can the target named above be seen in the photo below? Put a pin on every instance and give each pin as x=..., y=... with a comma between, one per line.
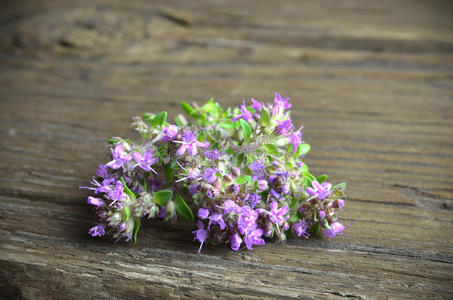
x=371, y=81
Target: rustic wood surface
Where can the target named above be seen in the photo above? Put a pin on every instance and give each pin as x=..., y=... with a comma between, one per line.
x=371, y=81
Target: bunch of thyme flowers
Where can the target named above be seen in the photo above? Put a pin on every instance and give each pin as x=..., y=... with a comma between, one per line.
x=236, y=173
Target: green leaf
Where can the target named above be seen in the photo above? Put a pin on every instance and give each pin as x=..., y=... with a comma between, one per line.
x=340, y=187
x=243, y=179
x=289, y=149
x=161, y=197
x=178, y=122
x=218, y=109
x=147, y=118
x=304, y=167
x=294, y=203
x=182, y=208
x=294, y=218
x=326, y=224
x=246, y=129
x=238, y=158
x=127, y=190
x=308, y=178
x=188, y=109
x=271, y=149
x=209, y=107
x=113, y=141
x=202, y=136
x=303, y=149
x=159, y=119
x=227, y=125
x=321, y=178
x=135, y=231
x=170, y=170
x=265, y=119
x=315, y=228
x=127, y=213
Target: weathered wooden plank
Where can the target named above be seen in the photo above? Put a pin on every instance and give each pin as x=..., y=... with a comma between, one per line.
x=168, y=262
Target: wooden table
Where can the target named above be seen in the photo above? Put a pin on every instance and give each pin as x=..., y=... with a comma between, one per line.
x=371, y=81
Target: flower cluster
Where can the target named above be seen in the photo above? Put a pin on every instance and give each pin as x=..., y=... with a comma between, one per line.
x=237, y=174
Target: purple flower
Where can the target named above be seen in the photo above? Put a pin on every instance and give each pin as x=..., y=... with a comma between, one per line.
x=210, y=175
x=245, y=113
x=194, y=174
x=280, y=104
x=95, y=201
x=97, y=230
x=103, y=171
x=105, y=187
x=322, y=214
x=277, y=215
x=213, y=192
x=119, y=157
x=336, y=228
x=236, y=242
x=216, y=218
x=117, y=193
x=274, y=194
x=254, y=238
x=256, y=105
x=257, y=168
x=170, y=132
x=213, y=154
x=295, y=138
x=247, y=219
x=319, y=190
x=300, y=228
x=194, y=188
x=253, y=199
x=230, y=206
x=203, y=213
x=284, y=126
x=146, y=160
x=190, y=143
x=201, y=235
x=162, y=214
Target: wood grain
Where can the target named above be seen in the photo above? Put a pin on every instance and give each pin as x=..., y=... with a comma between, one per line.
x=371, y=81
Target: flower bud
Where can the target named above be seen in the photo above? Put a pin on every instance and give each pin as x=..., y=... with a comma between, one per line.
x=338, y=203
x=153, y=211
x=236, y=242
x=285, y=188
x=115, y=219
x=262, y=185
x=268, y=229
x=95, y=201
x=285, y=226
x=171, y=211
x=232, y=188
